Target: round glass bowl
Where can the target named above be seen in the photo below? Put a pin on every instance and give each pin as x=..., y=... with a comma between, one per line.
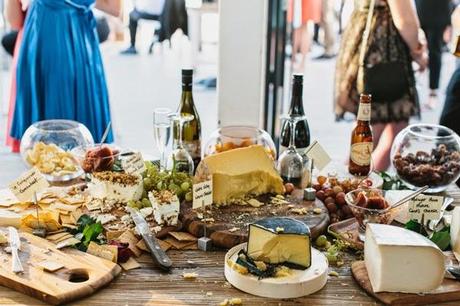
x=46, y=145
x=427, y=154
x=370, y=206
x=232, y=137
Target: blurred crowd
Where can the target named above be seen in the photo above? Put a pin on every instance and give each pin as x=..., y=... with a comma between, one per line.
x=379, y=49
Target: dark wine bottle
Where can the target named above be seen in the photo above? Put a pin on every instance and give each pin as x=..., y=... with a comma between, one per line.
x=191, y=132
x=302, y=131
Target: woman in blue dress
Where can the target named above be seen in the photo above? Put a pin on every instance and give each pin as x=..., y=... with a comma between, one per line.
x=60, y=73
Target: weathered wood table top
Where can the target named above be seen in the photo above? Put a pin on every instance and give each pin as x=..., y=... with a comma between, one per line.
x=148, y=286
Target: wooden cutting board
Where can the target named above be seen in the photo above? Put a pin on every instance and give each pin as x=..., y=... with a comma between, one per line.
x=448, y=291
x=230, y=224
x=81, y=275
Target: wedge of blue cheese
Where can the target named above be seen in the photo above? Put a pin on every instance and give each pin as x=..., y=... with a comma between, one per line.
x=280, y=240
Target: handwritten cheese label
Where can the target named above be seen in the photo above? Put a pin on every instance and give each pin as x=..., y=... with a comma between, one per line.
x=27, y=184
x=202, y=194
x=319, y=156
x=427, y=205
x=133, y=164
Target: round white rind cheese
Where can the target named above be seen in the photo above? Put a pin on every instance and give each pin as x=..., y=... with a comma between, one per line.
x=300, y=283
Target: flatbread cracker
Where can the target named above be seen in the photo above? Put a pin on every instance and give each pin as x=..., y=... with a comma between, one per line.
x=178, y=245
x=109, y=252
x=7, y=198
x=130, y=264
x=63, y=207
x=113, y=235
x=68, y=242
x=56, y=236
x=130, y=238
x=182, y=236
x=50, y=266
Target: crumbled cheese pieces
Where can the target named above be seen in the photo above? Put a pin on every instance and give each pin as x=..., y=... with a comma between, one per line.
x=190, y=275
x=230, y=302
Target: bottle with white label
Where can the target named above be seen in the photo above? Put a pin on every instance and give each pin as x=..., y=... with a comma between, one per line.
x=361, y=139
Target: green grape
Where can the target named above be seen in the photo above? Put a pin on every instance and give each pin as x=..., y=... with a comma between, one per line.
x=159, y=185
x=146, y=202
x=321, y=241
x=331, y=257
x=189, y=196
x=173, y=187
x=131, y=203
x=185, y=186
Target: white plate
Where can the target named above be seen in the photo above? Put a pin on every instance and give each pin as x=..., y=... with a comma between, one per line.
x=300, y=283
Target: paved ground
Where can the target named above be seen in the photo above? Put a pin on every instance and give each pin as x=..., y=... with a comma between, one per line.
x=138, y=84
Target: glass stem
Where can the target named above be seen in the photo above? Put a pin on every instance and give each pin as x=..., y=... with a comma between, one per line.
x=181, y=126
x=292, y=128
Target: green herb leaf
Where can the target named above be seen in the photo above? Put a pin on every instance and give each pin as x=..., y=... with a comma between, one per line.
x=416, y=227
x=442, y=239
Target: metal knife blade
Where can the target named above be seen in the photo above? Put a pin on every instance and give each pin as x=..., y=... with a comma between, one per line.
x=15, y=244
x=452, y=273
x=158, y=255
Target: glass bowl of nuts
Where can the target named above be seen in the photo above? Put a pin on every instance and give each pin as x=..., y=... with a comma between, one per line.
x=368, y=205
x=427, y=154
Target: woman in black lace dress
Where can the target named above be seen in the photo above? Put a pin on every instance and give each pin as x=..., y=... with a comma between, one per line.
x=394, y=36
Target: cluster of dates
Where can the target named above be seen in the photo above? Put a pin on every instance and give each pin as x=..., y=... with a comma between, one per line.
x=422, y=168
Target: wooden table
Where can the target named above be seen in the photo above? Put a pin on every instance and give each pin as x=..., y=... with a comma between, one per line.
x=148, y=286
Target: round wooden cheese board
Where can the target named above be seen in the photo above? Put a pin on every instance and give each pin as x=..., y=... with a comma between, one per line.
x=298, y=284
x=229, y=224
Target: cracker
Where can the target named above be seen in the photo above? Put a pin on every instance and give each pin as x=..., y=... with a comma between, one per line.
x=109, y=252
x=63, y=207
x=182, y=236
x=50, y=266
x=128, y=237
x=56, y=236
x=130, y=264
x=7, y=198
x=113, y=235
x=178, y=245
x=68, y=242
x=191, y=247
x=63, y=238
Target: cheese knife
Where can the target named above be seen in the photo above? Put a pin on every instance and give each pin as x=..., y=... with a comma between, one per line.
x=452, y=272
x=158, y=255
x=15, y=244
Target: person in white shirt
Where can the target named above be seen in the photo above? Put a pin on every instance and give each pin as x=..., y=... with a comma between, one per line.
x=143, y=9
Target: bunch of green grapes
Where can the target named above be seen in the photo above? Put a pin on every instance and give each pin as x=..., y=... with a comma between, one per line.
x=178, y=182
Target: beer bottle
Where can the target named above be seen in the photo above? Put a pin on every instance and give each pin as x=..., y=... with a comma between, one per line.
x=361, y=139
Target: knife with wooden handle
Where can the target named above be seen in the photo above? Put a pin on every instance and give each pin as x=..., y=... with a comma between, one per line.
x=158, y=255
x=15, y=245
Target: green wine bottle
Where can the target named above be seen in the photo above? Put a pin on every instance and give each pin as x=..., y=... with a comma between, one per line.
x=191, y=132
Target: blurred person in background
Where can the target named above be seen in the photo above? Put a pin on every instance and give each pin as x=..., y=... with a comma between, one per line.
x=434, y=18
x=15, y=12
x=394, y=38
x=327, y=25
x=60, y=74
x=302, y=14
x=143, y=9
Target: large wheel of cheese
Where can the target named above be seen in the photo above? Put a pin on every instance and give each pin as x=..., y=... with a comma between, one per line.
x=300, y=283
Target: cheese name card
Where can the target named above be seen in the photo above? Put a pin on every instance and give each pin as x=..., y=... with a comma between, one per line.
x=427, y=206
x=202, y=194
x=319, y=156
x=455, y=232
x=27, y=184
x=133, y=164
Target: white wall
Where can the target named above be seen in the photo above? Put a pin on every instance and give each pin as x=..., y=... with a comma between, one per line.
x=241, y=62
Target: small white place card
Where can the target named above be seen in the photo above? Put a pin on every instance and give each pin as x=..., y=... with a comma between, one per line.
x=202, y=194
x=319, y=156
x=427, y=205
x=27, y=184
x=133, y=164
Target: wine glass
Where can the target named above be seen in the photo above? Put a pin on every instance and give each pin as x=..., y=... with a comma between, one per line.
x=290, y=162
x=180, y=159
x=162, y=131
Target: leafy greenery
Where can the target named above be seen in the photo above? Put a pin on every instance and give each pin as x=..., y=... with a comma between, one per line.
x=89, y=230
x=391, y=182
x=440, y=238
